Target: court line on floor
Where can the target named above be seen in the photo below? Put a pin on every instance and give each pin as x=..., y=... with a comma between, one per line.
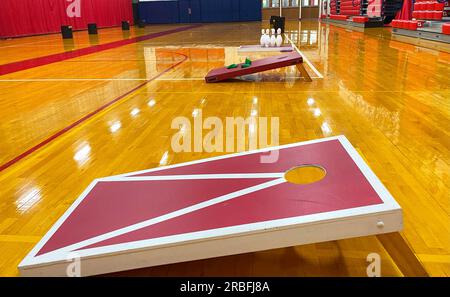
x=26, y=43
x=112, y=79
x=71, y=79
x=49, y=59
x=314, y=69
x=93, y=79
x=86, y=117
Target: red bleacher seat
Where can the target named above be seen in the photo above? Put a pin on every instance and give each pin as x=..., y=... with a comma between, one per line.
x=439, y=6
x=405, y=24
x=350, y=7
x=446, y=28
x=437, y=15
x=338, y=17
x=418, y=6
x=401, y=24
x=412, y=25
x=428, y=10
x=360, y=19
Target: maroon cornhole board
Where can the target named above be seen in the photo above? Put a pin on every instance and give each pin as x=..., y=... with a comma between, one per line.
x=220, y=74
x=215, y=207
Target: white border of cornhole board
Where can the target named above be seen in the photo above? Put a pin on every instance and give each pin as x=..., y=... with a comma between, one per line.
x=355, y=222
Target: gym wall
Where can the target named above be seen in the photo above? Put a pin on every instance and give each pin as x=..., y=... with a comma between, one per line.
x=199, y=11
x=32, y=17
x=310, y=9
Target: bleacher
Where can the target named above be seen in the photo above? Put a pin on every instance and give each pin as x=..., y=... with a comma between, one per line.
x=351, y=11
x=429, y=15
x=428, y=10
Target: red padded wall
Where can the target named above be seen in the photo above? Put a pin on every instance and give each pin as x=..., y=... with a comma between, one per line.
x=30, y=17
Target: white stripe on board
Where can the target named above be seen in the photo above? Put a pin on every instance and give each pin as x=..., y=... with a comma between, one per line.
x=195, y=176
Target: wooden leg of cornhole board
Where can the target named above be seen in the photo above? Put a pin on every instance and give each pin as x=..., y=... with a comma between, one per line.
x=304, y=73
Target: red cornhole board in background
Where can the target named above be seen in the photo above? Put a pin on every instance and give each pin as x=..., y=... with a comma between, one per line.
x=214, y=207
x=273, y=62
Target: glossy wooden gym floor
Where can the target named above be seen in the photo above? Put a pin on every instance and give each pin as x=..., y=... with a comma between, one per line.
x=391, y=100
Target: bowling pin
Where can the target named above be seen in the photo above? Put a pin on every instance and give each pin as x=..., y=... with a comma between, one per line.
x=262, y=39
x=279, y=38
x=273, y=39
x=267, y=39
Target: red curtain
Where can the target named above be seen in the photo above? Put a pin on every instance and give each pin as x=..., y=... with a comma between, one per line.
x=406, y=12
x=30, y=17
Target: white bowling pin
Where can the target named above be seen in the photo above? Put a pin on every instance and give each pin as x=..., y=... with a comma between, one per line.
x=262, y=39
x=273, y=39
x=267, y=39
x=279, y=38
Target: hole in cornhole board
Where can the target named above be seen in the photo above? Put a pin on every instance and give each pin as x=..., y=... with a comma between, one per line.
x=305, y=174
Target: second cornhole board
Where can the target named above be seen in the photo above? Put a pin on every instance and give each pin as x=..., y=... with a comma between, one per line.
x=269, y=63
x=259, y=48
x=225, y=205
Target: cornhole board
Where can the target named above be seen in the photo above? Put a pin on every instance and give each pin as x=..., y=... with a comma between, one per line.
x=225, y=205
x=273, y=62
x=259, y=48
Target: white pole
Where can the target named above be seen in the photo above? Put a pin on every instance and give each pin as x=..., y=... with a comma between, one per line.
x=300, y=9
x=320, y=8
x=279, y=2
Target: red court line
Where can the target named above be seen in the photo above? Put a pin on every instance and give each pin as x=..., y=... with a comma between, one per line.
x=45, y=60
x=86, y=117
